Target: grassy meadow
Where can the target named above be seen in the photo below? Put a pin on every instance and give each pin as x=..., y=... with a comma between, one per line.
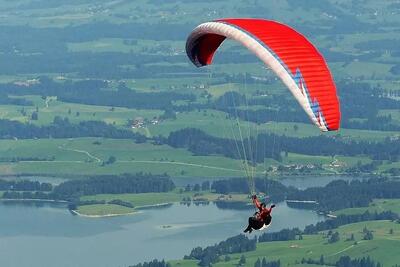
x=382, y=248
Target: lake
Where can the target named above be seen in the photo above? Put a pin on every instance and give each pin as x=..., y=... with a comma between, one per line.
x=304, y=182
x=41, y=235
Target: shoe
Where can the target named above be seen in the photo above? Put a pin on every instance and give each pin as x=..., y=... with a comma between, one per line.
x=248, y=229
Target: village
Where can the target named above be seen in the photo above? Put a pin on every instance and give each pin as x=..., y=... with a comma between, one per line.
x=140, y=122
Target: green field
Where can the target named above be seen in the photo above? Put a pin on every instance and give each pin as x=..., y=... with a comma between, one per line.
x=140, y=11
x=378, y=205
x=50, y=107
x=382, y=248
x=125, y=46
x=217, y=124
x=84, y=156
x=61, y=157
x=103, y=210
x=211, y=121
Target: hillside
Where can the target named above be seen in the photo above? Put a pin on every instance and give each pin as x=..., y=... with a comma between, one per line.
x=123, y=63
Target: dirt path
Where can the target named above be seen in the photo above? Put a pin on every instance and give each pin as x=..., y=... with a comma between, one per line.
x=150, y=161
x=80, y=151
x=343, y=250
x=180, y=163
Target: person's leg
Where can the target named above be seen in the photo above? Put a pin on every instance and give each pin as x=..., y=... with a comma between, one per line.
x=249, y=229
x=268, y=220
x=255, y=223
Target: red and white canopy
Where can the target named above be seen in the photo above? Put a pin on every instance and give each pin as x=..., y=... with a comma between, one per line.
x=289, y=54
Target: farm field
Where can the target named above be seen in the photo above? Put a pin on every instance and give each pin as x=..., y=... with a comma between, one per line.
x=382, y=248
x=85, y=156
x=106, y=41
x=378, y=205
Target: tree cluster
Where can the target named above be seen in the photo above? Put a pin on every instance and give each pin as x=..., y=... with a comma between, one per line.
x=276, y=191
x=264, y=263
x=211, y=254
x=39, y=195
x=62, y=128
x=153, y=263
x=256, y=149
x=282, y=235
x=341, y=194
x=333, y=237
x=360, y=106
x=24, y=185
x=336, y=195
x=111, y=184
x=344, y=261
x=348, y=219
x=96, y=92
x=368, y=235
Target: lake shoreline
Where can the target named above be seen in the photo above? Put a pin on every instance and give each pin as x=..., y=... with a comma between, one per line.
x=75, y=212
x=136, y=211
x=33, y=200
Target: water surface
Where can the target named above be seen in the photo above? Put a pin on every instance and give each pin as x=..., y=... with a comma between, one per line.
x=48, y=235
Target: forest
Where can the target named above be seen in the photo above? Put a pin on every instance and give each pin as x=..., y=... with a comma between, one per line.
x=72, y=190
x=336, y=195
x=62, y=128
x=201, y=143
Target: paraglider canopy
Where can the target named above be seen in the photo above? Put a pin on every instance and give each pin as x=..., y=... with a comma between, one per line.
x=289, y=54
